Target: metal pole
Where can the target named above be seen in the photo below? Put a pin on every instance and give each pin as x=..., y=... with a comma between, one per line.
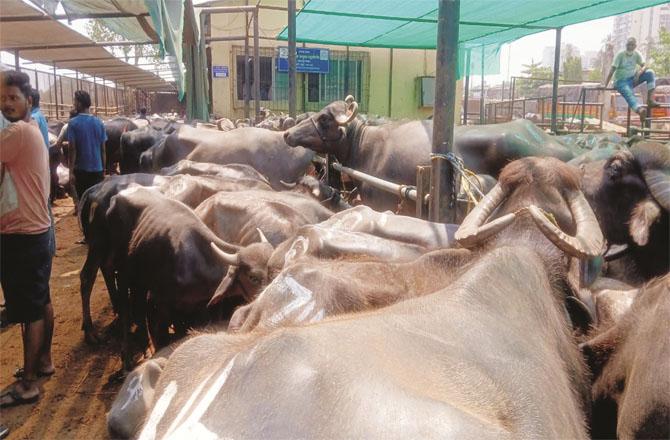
x=17, y=65
x=482, y=110
x=95, y=93
x=60, y=88
x=467, y=87
x=291, y=59
x=442, y=191
x=55, y=89
x=554, y=88
x=76, y=72
x=257, y=69
x=346, y=74
x=390, y=80
x=246, y=89
x=104, y=96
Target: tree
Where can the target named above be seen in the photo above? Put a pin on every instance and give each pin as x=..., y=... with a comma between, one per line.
x=97, y=31
x=572, y=68
x=540, y=74
x=660, y=53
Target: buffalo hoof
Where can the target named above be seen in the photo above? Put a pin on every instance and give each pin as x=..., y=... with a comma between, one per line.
x=92, y=337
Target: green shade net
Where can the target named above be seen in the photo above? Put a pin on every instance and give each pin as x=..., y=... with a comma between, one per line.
x=413, y=24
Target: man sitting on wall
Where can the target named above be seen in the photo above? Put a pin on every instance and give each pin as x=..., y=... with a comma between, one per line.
x=627, y=76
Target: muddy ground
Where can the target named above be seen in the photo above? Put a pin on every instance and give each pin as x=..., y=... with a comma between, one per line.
x=75, y=400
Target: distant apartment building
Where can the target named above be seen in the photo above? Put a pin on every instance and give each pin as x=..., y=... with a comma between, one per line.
x=567, y=48
x=644, y=25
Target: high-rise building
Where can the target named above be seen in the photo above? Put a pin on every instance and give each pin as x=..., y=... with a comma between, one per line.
x=566, y=49
x=644, y=25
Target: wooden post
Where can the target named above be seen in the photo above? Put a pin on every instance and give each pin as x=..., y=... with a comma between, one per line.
x=467, y=87
x=390, y=92
x=17, y=64
x=422, y=189
x=482, y=109
x=247, y=73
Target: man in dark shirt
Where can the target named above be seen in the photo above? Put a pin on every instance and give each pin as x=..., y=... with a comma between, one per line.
x=86, y=137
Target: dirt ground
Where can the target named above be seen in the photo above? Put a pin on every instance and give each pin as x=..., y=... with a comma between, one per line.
x=75, y=400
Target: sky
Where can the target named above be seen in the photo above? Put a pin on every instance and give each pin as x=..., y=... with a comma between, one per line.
x=586, y=36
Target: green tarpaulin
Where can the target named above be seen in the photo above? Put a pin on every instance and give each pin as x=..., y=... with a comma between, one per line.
x=413, y=24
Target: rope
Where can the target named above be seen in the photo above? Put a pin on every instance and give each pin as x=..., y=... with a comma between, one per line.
x=471, y=189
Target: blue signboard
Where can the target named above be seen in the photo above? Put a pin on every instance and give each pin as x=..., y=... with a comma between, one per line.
x=307, y=60
x=220, y=71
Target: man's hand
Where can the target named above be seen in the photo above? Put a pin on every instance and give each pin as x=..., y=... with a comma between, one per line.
x=637, y=76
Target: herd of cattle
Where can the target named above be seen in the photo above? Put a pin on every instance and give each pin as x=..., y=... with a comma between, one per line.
x=544, y=314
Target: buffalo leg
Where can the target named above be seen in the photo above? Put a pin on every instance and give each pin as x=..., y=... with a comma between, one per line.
x=87, y=279
x=158, y=319
x=124, y=309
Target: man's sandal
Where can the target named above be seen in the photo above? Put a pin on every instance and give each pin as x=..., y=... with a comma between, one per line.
x=13, y=398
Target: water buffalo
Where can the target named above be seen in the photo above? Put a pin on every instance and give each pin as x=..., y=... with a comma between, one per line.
x=470, y=360
x=630, y=362
x=232, y=170
x=92, y=218
x=392, y=151
x=630, y=194
x=310, y=290
x=194, y=190
x=115, y=128
x=166, y=269
x=133, y=144
x=264, y=150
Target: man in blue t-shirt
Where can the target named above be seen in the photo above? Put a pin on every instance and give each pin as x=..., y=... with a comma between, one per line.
x=86, y=137
x=37, y=115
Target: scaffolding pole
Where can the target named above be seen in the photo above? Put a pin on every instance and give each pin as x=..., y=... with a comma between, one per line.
x=554, y=86
x=291, y=59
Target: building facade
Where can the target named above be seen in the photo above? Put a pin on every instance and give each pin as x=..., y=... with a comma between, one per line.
x=644, y=25
x=385, y=82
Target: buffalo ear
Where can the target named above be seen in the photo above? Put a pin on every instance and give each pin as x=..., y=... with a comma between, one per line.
x=644, y=215
x=580, y=313
x=225, y=284
x=598, y=350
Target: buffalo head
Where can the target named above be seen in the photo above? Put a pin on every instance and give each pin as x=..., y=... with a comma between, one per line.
x=546, y=190
x=247, y=269
x=323, y=130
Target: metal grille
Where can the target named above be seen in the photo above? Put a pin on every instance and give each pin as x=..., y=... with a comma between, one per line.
x=318, y=90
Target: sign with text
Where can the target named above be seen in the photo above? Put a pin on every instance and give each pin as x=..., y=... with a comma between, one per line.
x=307, y=60
x=220, y=71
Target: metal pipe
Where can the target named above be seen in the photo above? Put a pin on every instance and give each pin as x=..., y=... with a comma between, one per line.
x=482, y=110
x=55, y=90
x=403, y=191
x=291, y=59
x=467, y=86
x=17, y=65
x=76, y=45
x=257, y=67
x=554, y=87
x=233, y=38
x=228, y=9
x=346, y=74
x=70, y=17
x=104, y=96
x=95, y=92
x=390, y=93
x=443, y=199
x=247, y=71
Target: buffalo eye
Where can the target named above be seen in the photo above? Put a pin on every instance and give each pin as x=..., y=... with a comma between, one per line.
x=323, y=121
x=255, y=280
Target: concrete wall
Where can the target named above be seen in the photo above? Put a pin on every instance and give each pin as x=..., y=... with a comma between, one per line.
x=407, y=66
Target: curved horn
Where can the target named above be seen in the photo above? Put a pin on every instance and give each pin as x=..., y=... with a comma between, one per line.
x=587, y=242
x=263, y=238
x=353, y=108
x=471, y=232
x=658, y=182
x=349, y=99
x=288, y=185
x=229, y=259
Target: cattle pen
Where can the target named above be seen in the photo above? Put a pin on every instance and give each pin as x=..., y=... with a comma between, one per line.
x=311, y=222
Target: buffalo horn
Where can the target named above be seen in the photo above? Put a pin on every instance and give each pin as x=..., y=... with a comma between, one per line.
x=473, y=230
x=587, y=242
x=229, y=259
x=658, y=183
x=288, y=185
x=352, y=111
x=263, y=238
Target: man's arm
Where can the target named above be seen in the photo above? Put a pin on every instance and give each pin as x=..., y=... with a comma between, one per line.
x=10, y=141
x=609, y=75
